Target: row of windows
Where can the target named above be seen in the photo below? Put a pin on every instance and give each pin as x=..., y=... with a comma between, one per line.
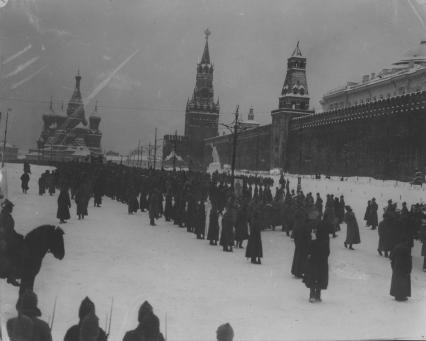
x=340, y=105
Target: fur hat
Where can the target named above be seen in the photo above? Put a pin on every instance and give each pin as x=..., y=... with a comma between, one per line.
x=224, y=332
x=7, y=204
x=89, y=328
x=86, y=307
x=143, y=310
x=20, y=328
x=27, y=304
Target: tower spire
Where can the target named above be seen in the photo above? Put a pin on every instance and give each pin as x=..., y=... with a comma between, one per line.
x=77, y=80
x=205, y=59
x=297, y=52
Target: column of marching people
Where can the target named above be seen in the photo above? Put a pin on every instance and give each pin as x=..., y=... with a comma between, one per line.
x=182, y=197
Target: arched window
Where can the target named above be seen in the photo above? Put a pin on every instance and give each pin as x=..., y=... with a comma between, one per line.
x=302, y=91
x=295, y=90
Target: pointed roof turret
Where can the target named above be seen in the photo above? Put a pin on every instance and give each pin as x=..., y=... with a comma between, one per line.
x=205, y=59
x=297, y=52
x=75, y=105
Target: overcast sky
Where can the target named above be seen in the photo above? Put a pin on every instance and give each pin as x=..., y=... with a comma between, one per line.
x=43, y=42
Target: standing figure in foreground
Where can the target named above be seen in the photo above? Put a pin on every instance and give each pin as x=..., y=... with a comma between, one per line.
x=87, y=307
x=401, y=263
x=352, y=231
x=316, y=272
x=27, y=305
x=224, y=332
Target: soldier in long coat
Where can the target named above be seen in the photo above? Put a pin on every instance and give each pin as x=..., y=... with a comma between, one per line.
x=10, y=243
x=82, y=200
x=153, y=206
x=227, y=233
x=241, y=226
x=316, y=270
x=213, y=233
x=42, y=184
x=330, y=216
x=401, y=263
x=373, y=219
x=25, y=179
x=168, y=209
x=200, y=224
x=301, y=237
x=27, y=306
x=254, y=249
x=73, y=333
x=64, y=205
x=422, y=236
x=352, y=231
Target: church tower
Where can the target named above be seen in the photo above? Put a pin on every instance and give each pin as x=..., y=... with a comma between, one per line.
x=202, y=112
x=293, y=102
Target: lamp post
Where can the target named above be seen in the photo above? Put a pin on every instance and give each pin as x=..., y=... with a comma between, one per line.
x=5, y=136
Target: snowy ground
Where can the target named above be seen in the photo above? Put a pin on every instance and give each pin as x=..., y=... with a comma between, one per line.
x=112, y=254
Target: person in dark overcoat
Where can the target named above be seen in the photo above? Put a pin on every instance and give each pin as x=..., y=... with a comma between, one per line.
x=82, y=200
x=367, y=213
x=391, y=228
x=51, y=183
x=316, y=270
x=27, y=306
x=41, y=184
x=154, y=200
x=373, y=219
x=98, y=190
x=337, y=213
x=64, y=205
x=148, y=328
x=352, y=230
x=254, y=249
x=319, y=204
x=168, y=208
x=422, y=237
x=73, y=333
x=227, y=233
x=200, y=224
x=213, y=233
x=25, y=179
x=341, y=209
x=401, y=263
x=301, y=237
x=330, y=216
x=241, y=226
x=132, y=199
x=381, y=245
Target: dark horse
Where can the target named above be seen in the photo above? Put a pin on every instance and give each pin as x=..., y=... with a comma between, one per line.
x=35, y=245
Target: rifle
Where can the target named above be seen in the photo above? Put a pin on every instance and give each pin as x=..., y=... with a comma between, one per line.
x=108, y=328
x=53, y=313
x=165, y=332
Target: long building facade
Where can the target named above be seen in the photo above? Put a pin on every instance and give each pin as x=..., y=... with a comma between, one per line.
x=374, y=128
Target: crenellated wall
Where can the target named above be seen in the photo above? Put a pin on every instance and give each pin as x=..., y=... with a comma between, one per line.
x=253, y=149
x=384, y=139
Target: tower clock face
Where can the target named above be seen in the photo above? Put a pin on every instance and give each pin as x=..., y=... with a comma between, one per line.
x=3, y=3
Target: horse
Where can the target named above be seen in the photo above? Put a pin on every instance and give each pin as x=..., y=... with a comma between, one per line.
x=35, y=245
